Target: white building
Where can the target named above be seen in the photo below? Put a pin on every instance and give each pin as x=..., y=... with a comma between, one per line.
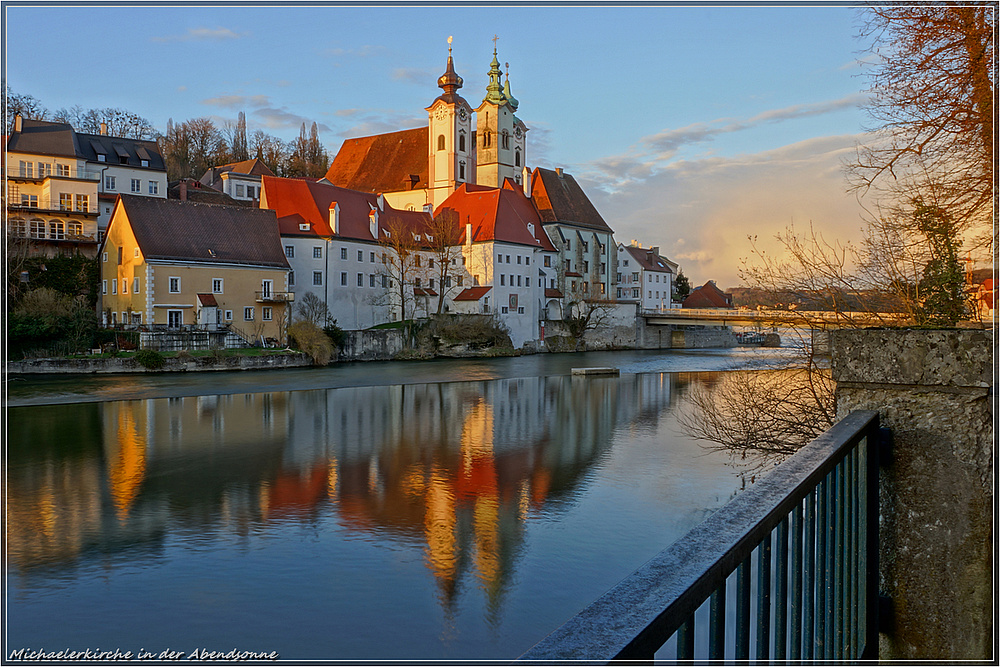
x=644, y=276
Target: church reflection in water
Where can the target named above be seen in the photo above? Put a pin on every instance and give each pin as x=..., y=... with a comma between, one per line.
x=453, y=469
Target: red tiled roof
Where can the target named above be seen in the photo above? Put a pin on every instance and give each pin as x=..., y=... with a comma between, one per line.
x=472, y=293
x=708, y=296
x=382, y=163
x=649, y=260
x=422, y=291
x=207, y=300
x=559, y=198
x=551, y=293
x=496, y=214
x=295, y=201
x=573, y=274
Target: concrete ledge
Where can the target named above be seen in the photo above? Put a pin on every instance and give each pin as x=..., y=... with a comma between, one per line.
x=170, y=365
x=595, y=371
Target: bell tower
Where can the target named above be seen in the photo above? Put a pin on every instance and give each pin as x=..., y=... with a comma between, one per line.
x=496, y=131
x=451, y=159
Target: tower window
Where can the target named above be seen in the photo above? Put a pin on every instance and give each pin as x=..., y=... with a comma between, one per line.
x=505, y=140
x=461, y=141
x=461, y=171
x=440, y=142
x=517, y=157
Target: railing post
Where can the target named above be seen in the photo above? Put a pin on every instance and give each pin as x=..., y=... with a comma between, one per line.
x=872, y=450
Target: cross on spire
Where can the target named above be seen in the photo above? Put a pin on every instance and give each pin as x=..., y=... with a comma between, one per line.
x=495, y=38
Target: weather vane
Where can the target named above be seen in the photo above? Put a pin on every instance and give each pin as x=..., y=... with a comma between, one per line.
x=449, y=45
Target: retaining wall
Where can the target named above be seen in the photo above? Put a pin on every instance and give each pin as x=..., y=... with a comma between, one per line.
x=371, y=345
x=170, y=364
x=934, y=389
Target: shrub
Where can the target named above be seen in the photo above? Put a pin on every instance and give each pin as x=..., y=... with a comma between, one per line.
x=46, y=320
x=150, y=359
x=309, y=338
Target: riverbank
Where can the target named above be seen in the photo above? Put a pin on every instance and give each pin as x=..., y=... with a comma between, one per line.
x=178, y=363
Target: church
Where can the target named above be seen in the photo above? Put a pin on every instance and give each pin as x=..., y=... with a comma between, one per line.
x=532, y=244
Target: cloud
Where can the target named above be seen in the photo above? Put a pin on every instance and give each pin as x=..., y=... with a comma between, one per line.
x=413, y=75
x=274, y=118
x=237, y=101
x=201, y=34
x=702, y=211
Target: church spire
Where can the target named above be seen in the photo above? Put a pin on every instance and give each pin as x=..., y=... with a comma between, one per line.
x=493, y=92
x=511, y=100
x=450, y=81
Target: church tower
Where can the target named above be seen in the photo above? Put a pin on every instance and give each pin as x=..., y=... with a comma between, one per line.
x=498, y=132
x=451, y=158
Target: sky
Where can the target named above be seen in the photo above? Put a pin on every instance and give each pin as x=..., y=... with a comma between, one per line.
x=691, y=128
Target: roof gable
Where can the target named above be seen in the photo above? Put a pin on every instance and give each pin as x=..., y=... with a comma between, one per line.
x=650, y=260
x=168, y=229
x=135, y=151
x=560, y=199
x=496, y=214
x=382, y=163
x=44, y=138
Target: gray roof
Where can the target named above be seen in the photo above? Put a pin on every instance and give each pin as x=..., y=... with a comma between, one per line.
x=560, y=199
x=168, y=229
x=59, y=139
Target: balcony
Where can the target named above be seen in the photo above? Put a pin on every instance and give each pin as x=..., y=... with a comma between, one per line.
x=275, y=297
x=53, y=206
x=39, y=171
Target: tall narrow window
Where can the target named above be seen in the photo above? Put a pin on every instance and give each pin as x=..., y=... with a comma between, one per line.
x=517, y=157
x=440, y=142
x=461, y=141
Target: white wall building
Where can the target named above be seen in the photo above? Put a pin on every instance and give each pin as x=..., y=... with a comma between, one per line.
x=644, y=276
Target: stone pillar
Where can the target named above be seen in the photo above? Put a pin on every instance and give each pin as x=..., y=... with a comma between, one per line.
x=934, y=389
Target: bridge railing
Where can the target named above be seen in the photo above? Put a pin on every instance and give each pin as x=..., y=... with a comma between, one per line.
x=797, y=553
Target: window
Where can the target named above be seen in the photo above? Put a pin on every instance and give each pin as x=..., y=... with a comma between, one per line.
x=547, y=261
x=459, y=280
x=503, y=279
x=136, y=318
x=440, y=142
x=65, y=202
x=83, y=203
x=121, y=252
x=18, y=227
x=361, y=280
x=318, y=252
x=499, y=259
x=508, y=259
x=430, y=263
x=136, y=185
x=517, y=157
x=114, y=286
x=175, y=285
x=27, y=169
x=291, y=278
x=505, y=140
x=143, y=163
x=475, y=279
x=44, y=170
x=361, y=255
x=229, y=316
x=31, y=201
x=431, y=283
x=135, y=252
x=62, y=170
x=317, y=278
x=461, y=170
x=109, y=182
x=416, y=282
x=266, y=313
x=105, y=257
x=520, y=310
x=343, y=277
x=248, y=314
x=239, y=190
x=343, y=253
x=519, y=281
x=527, y=282
x=289, y=251
x=252, y=191
x=154, y=187
x=371, y=257
x=135, y=285
x=518, y=259
x=586, y=246
x=385, y=281
x=124, y=285
x=461, y=145
x=37, y=229
x=371, y=280
x=104, y=287
x=101, y=157
x=603, y=268
x=216, y=285
x=503, y=309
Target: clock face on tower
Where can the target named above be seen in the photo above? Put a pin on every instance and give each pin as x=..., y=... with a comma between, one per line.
x=517, y=132
x=462, y=113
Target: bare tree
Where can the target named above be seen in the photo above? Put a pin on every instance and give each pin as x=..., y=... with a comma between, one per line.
x=270, y=150
x=312, y=309
x=932, y=89
x=444, y=235
x=25, y=106
x=400, y=267
x=586, y=315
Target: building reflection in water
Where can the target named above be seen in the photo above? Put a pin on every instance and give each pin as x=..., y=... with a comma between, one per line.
x=453, y=469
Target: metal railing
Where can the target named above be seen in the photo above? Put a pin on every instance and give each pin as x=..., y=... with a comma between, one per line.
x=39, y=171
x=53, y=205
x=802, y=542
x=274, y=297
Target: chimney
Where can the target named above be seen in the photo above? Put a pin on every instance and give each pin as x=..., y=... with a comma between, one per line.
x=184, y=190
x=468, y=232
x=373, y=223
x=335, y=217
x=655, y=250
x=559, y=172
x=104, y=128
x=18, y=123
x=526, y=181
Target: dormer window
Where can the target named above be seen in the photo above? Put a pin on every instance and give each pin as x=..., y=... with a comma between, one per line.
x=303, y=226
x=101, y=157
x=144, y=163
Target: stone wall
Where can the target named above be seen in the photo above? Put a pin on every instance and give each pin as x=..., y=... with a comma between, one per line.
x=371, y=345
x=682, y=336
x=934, y=389
x=170, y=364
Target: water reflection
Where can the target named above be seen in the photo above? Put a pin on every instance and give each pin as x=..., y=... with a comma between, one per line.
x=454, y=471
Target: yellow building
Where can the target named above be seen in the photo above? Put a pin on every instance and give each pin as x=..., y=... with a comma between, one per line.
x=175, y=265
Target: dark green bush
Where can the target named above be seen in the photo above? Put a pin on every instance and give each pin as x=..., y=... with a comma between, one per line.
x=150, y=359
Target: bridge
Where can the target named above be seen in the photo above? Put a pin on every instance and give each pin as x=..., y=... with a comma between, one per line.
x=770, y=318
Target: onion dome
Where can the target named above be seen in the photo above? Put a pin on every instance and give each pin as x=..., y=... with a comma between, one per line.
x=493, y=92
x=450, y=81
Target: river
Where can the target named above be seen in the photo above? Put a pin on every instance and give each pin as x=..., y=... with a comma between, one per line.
x=433, y=510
